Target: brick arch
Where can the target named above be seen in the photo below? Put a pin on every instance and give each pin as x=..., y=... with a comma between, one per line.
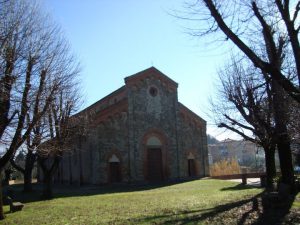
x=154, y=132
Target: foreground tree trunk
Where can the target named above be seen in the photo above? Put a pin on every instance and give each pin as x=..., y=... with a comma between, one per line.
x=29, y=164
x=27, y=181
x=282, y=136
x=285, y=158
x=47, y=186
x=27, y=170
x=270, y=167
x=1, y=197
x=48, y=166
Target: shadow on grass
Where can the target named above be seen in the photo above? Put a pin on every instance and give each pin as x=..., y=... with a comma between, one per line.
x=196, y=216
x=258, y=209
x=238, y=187
x=15, y=191
x=253, y=209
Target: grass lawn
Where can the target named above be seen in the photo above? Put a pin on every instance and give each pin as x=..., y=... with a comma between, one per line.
x=194, y=202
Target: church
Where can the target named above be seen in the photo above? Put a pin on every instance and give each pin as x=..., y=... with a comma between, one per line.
x=139, y=133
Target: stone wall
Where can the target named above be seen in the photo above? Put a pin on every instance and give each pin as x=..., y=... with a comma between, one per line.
x=88, y=162
x=112, y=139
x=152, y=109
x=193, y=145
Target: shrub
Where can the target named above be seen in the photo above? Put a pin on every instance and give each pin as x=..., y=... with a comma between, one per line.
x=225, y=167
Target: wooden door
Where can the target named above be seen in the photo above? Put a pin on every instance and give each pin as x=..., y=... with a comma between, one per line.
x=115, y=172
x=154, y=167
x=191, y=168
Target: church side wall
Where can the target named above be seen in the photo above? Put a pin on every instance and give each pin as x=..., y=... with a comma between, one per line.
x=192, y=144
x=111, y=140
x=88, y=162
x=66, y=171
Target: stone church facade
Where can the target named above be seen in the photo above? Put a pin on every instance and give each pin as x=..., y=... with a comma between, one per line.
x=139, y=133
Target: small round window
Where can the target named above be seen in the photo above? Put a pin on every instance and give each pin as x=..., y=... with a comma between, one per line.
x=153, y=91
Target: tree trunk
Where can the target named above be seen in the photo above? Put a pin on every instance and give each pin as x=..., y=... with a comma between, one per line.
x=1, y=200
x=298, y=159
x=29, y=164
x=285, y=158
x=282, y=137
x=270, y=167
x=47, y=188
x=27, y=180
x=48, y=172
x=7, y=177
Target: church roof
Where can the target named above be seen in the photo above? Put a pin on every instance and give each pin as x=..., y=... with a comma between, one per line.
x=150, y=72
x=108, y=103
x=107, y=100
x=185, y=110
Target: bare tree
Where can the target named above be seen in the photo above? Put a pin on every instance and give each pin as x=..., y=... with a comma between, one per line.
x=266, y=32
x=245, y=106
x=67, y=70
x=35, y=63
x=69, y=91
x=62, y=129
x=248, y=24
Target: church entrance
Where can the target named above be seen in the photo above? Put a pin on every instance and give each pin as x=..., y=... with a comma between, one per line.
x=192, y=172
x=115, y=172
x=115, y=175
x=191, y=168
x=154, y=167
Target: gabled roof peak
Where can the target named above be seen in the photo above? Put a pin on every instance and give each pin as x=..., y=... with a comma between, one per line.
x=150, y=72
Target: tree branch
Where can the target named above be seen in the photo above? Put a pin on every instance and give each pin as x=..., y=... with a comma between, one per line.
x=292, y=33
x=235, y=122
x=257, y=62
x=297, y=9
x=17, y=167
x=223, y=125
x=268, y=36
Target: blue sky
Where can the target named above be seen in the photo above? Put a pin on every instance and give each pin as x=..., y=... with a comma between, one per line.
x=114, y=39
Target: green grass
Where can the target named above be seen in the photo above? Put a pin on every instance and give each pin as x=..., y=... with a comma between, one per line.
x=169, y=204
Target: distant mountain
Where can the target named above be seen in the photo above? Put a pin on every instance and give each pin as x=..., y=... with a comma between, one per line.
x=212, y=140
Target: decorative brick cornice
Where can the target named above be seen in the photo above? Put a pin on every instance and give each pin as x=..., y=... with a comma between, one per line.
x=151, y=72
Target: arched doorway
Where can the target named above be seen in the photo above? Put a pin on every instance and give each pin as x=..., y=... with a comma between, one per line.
x=191, y=165
x=154, y=159
x=115, y=175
